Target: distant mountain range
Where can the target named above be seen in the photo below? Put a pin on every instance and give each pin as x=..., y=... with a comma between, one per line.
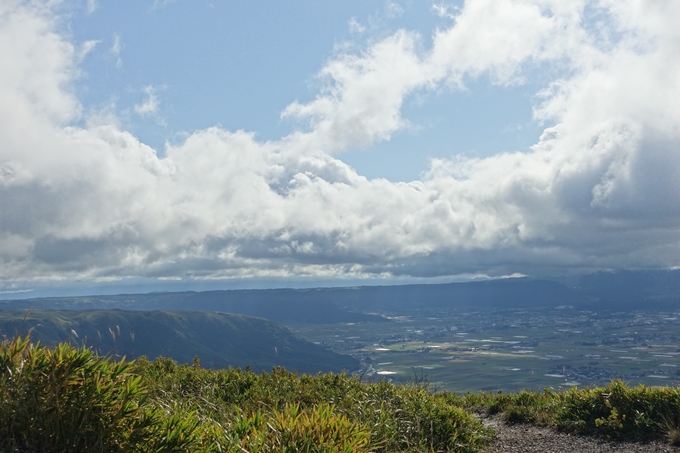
x=280, y=305
x=505, y=293
x=218, y=339
x=603, y=290
x=628, y=289
x=182, y=325
x=328, y=305
x=360, y=304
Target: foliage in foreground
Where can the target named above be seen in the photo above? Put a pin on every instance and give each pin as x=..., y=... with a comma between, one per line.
x=393, y=418
x=615, y=411
x=69, y=399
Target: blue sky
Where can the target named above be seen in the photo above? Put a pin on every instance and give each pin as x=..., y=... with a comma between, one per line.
x=175, y=144
x=238, y=65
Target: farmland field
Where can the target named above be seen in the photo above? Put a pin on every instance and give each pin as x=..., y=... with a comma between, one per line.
x=462, y=350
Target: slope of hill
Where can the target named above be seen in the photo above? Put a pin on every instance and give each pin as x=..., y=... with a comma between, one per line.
x=218, y=339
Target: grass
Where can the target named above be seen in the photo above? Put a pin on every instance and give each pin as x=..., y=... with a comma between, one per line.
x=64, y=398
x=670, y=423
x=614, y=411
x=67, y=399
x=398, y=418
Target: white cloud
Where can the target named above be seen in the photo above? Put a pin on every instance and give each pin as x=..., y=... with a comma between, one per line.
x=393, y=9
x=150, y=105
x=355, y=26
x=161, y=3
x=363, y=100
x=116, y=49
x=598, y=190
x=443, y=10
x=86, y=48
x=91, y=6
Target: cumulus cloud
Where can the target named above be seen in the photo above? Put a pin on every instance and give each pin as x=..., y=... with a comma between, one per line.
x=598, y=190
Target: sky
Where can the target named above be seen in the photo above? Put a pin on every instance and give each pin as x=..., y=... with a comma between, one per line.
x=212, y=144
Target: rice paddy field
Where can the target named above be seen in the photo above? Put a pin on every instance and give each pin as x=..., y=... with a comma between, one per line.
x=511, y=350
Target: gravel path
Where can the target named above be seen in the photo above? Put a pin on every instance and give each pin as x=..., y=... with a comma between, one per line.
x=533, y=439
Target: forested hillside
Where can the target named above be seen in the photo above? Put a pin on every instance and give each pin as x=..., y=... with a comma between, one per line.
x=218, y=339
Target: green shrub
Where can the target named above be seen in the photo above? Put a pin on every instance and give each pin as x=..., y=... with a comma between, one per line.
x=65, y=399
x=524, y=407
x=618, y=411
x=319, y=430
x=399, y=418
x=529, y=407
x=614, y=411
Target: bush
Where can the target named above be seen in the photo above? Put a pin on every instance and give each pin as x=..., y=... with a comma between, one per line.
x=615, y=411
x=618, y=411
x=529, y=407
x=318, y=430
x=398, y=418
x=66, y=399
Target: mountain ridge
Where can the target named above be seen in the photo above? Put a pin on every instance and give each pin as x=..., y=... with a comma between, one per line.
x=356, y=303
x=220, y=340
